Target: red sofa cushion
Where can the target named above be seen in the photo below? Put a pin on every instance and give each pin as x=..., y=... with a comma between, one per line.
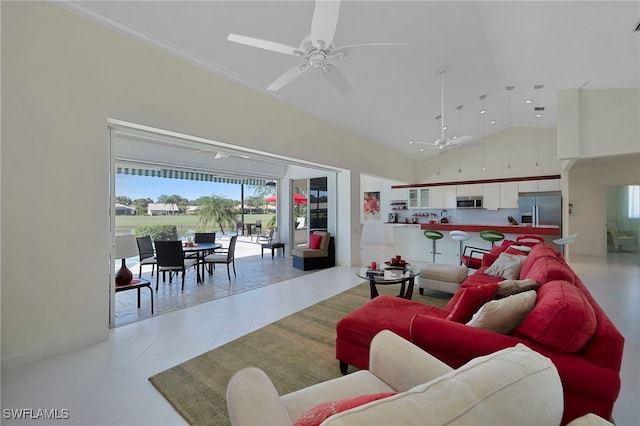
x=470, y=300
x=562, y=319
x=537, y=252
x=383, y=313
x=547, y=268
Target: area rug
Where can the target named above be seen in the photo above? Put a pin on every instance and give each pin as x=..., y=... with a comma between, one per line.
x=295, y=352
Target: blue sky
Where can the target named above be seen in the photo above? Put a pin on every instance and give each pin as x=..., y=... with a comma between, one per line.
x=152, y=187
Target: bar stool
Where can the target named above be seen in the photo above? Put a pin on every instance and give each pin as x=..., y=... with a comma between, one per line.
x=492, y=236
x=529, y=240
x=461, y=237
x=433, y=235
x=562, y=242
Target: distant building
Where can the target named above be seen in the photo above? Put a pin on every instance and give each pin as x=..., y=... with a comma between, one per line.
x=122, y=210
x=192, y=209
x=162, y=209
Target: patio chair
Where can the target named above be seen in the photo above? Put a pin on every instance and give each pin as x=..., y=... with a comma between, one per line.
x=223, y=255
x=146, y=252
x=265, y=236
x=258, y=226
x=170, y=258
x=201, y=238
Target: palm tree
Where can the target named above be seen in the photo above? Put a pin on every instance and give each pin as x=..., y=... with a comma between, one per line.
x=218, y=210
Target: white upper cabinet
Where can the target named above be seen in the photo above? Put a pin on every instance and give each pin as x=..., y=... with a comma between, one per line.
x=399, y=194
x=449, y=197
x=549, y=185
x=491, y=196
x=419, y=198
x=508, y=195
x=539, y=185
x=436, y=200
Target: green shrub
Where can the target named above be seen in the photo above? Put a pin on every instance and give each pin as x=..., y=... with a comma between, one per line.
x=157, y=232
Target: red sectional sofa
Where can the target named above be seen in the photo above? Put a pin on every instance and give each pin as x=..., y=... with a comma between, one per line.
x=566, y=325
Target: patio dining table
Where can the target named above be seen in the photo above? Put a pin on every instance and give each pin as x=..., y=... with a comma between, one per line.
x=201, y=250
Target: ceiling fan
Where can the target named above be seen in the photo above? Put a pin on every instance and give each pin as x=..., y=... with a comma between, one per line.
x=219, y=154
x=316, y=48
x=442, y=143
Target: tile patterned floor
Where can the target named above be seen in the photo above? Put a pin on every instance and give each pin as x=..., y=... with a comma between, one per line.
x=106, y=383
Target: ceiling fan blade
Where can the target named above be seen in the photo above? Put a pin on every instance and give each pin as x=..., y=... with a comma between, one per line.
x=288, y=76
x=460, y=140
x=265, y=44
x=325, y=20
x=349, y=46
x=335, y=77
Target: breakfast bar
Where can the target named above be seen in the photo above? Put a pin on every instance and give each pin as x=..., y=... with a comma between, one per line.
x=409, y=241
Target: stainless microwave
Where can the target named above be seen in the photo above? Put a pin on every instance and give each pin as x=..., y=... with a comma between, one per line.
x=469, y=202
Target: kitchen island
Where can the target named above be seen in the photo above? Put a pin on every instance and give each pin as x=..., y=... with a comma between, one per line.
x=410, y=242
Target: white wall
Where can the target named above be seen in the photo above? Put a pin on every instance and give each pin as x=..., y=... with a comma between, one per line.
x=62, y=78
x=521, y=147
x=373, y=231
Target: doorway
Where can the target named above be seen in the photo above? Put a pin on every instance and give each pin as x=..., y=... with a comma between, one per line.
x=623, y=221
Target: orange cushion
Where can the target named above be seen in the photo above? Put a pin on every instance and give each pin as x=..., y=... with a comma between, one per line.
x=471, y=299
x=314, y=241
x=323, y=411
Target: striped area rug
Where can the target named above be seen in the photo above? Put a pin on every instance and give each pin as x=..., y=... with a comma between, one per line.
x=295, y=352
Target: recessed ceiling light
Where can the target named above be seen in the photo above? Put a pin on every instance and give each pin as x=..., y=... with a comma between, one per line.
x=410, y=142
x=444, y=127
x=492, y=122
x=528, y=101
x=483, y=111
x=538, y=115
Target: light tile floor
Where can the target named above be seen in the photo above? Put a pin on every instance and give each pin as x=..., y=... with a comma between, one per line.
x=106, y=384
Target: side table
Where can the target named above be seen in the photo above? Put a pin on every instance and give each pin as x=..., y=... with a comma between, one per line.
x=273, y=247
x=137, y=284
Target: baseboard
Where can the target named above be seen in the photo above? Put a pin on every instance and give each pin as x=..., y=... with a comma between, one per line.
x=16, y=361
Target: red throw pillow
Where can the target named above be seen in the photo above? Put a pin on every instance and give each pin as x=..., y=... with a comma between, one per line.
x=314, y=241
x=323, y=411
x=471, y=299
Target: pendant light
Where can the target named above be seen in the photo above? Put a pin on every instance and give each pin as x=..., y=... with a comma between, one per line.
x=537, y=87
x=509, y=89
x=483, y=112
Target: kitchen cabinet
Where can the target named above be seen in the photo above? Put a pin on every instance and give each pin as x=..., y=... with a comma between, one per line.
x=435, y=197
x=449, y=197
x=549, y=185
x=539, y=185
x=491, y=196
x=398, y=194
x=508, y=195
x=419, y=198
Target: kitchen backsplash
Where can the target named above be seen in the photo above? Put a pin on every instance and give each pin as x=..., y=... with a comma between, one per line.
x=465, y=216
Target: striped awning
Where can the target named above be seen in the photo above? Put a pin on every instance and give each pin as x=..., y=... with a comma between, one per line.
x=186, y=175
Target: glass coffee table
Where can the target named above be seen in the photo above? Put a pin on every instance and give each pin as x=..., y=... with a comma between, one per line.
x=391, y=275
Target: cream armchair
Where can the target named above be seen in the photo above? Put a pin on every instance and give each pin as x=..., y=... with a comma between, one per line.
x=512, y=386
x=621, y=240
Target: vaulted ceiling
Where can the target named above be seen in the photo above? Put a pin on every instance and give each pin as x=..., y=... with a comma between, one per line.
x=395, y=90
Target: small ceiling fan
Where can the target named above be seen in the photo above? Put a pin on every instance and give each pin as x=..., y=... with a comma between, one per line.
x=442, y=143
x=219, y=154
x=316, y=48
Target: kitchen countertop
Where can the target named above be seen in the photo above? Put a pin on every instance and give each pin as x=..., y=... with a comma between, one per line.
x=505, y=229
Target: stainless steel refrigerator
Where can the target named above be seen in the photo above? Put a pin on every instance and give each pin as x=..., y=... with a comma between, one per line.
x=540, y=208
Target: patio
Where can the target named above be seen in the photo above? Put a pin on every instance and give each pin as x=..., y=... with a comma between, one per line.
x=252, y=270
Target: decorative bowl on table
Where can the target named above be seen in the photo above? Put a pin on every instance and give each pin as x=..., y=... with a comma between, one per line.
x=397, y=265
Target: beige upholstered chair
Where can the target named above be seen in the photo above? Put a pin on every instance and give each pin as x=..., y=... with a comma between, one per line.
x=621, y=240
x=309, y=257
x=512, y=386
